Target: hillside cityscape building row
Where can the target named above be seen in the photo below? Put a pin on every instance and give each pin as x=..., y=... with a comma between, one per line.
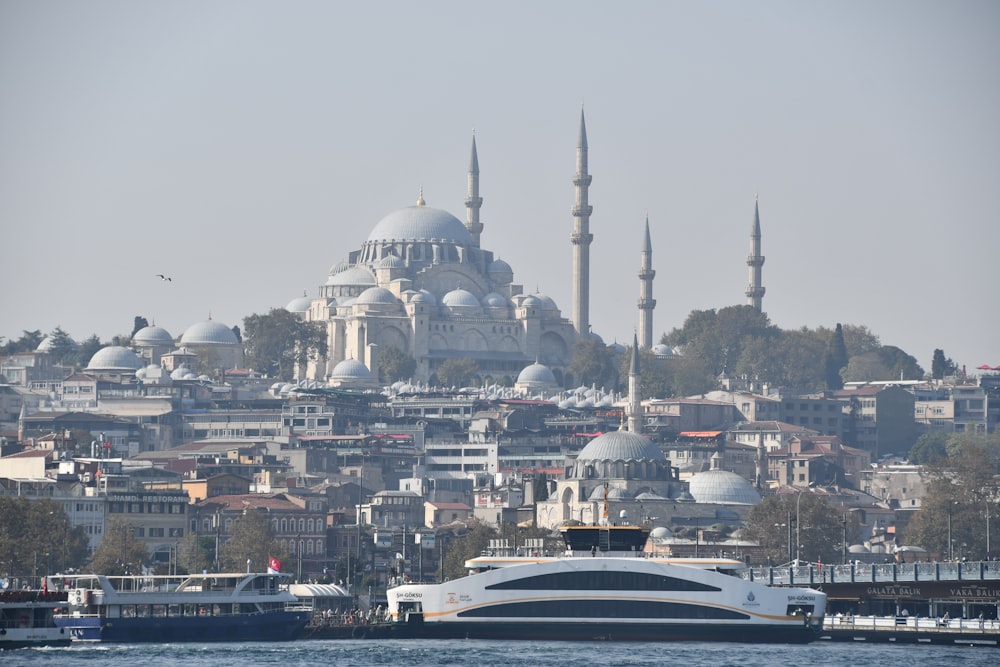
x=345, y=468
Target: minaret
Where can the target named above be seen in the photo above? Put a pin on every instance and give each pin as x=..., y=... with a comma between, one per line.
x=581, y=237
x=473, y=201
x=761, y=462
x=646, y=300
x=634, y=402
x=755, y=291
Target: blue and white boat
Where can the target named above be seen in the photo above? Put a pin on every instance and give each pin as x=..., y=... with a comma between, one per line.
x=190, y=608
x=26, y=619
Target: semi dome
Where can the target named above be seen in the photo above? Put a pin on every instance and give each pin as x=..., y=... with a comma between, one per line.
x=356, y=275
x=209, y=332
x=340, y=266
x=494, y=300
x=420, y=223
x=391, y=261
x=351, y=369
x=423, y=296
x=621, y=446
x=152, y=335
x=115, y=358
x=376, y=296
x=722, y=486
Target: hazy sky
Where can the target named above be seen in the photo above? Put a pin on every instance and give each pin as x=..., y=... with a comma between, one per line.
x=244, y=148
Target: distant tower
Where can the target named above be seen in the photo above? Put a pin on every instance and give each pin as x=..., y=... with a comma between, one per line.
x=472, y=200
x=646, y=300
x=634, y=401
x=581, y=236
x=755, y=291
x=761, y=462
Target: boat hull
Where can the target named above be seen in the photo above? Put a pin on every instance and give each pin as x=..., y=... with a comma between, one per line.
x=280, y=626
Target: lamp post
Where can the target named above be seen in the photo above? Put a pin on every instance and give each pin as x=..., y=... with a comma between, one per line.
x=987, y=530
x=951, y=548
x=788, y=544
x=798, y=526
x=843, y=523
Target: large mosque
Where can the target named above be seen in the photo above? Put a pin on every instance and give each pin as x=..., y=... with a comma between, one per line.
x=423, y=283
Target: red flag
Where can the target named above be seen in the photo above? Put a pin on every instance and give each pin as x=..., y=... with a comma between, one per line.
x=273, y=566
x=45, y=585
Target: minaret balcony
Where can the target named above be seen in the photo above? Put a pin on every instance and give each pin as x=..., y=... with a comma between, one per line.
x=579, y=210
x=755, y=260
x=581, y=239
x=582, y=179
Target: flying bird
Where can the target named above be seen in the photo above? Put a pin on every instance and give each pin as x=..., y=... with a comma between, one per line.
x=163, y=277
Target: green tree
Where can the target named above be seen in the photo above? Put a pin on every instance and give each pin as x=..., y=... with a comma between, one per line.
x=929, y=448
x=885, y=363
x=195, y=552
x=859, y=339
x=655, y=375
x=835, y=359
x=88, y=348
x=37, y=538
x=28, y=342
x=278, y=342
x=815, y=528
x=394, y=365
x=251, y=538
x=468, y=545
x=456, y=372
x=119, y=551
x=592, y=363
x=62, y=348
x=959, y=488
x=942, y=367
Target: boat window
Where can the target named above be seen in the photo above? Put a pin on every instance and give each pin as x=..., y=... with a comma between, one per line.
x=603, y=608
x=599, y=580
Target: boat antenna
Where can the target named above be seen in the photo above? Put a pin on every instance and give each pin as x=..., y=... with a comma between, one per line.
x=605, y=503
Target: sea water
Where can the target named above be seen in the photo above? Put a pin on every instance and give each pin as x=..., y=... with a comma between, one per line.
x=493, y=653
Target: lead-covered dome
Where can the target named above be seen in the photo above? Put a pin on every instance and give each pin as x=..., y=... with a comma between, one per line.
x=536, y=374
x=420, y=223
x=114, y=358
x=377, y=296
x=460, y=298
x=152, y=335
x=299, y=305
x=621, y=446
x=350, y=369
x=722, y=486
x=209, y=332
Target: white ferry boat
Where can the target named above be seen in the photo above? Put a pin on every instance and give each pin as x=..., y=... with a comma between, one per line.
x=200, y=607
x=26, y=619
x=605, y=587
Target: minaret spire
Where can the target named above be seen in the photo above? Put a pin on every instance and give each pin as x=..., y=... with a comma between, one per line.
x=755, y=291
x=634, y=402
x=581, y=237
x=646, y=301
x=473, y=201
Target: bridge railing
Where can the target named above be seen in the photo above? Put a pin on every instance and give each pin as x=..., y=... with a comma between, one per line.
x=819, y=573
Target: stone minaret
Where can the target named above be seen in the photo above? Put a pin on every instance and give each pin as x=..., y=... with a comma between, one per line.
x=761, y=462
x=646, y=300
x=472, y=200
x=755, y=291
x=634, y=400
x=581, y=236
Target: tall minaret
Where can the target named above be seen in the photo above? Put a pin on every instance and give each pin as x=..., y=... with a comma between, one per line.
x=581, y=236
x=755, y=291
x=472, y=200
x=646, y=300
x=634, y=401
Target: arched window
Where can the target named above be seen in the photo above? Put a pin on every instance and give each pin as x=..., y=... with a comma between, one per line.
x=302, y=525
x=284, y=525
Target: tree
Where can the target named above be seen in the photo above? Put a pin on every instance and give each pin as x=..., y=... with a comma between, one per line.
x=277, y=343
x=88, y=348
x=655, y=375
x=37, y=538
x=929, y=448
x=465, y=546
x=29, y=341
x=835, y=359
x=195, y=552
x=942, y=367
x=815, y=528
x=592, y=363
x=251, y=538
x=885, y=363
x=138, y=323
x=394, y=365
x=119, y=551
x=456, y=372
x=954, y=507
x=62, y=348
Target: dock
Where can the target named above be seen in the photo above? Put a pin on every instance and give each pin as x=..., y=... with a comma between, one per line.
x=909, y=630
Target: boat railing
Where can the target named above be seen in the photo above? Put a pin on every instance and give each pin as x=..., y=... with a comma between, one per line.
x=821, y=573
x=911, y=624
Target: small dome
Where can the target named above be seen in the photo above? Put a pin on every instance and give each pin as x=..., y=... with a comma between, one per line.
x=115, y=358
x=536, y=374
x=494, y=300
x=499, y=267
x=460, y=298
x=661, y=533
x=531, y=301
x=621, y=446
x=547, y=302
x=858, y=549
x=390, y=261
x=722, y=486
x=209, y=332
x=376, y=296
x=420, y=223
x=47, y=342
x=662, y=350
x=299, y=305
x=182, y=372
x=339, y=267
x=350, y=369
x=423, y=296
x=613, y=494
x=152, y=335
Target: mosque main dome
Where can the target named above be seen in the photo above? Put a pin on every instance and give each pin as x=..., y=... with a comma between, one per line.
x=621, y=446
x=420, y=223
x=722, y=486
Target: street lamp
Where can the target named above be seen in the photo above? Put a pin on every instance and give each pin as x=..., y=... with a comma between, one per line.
x=788, y=544
x=798, y=525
